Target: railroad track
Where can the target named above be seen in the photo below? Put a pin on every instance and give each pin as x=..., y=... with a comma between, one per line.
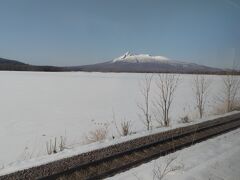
x=111, y=160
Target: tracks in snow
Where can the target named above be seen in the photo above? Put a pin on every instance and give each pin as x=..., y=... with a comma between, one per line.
x=121, y=157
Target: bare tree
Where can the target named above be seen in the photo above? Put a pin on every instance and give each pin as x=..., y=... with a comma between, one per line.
x=230, y=91
x=166, y=86
x=200, y=89
x=145, y=88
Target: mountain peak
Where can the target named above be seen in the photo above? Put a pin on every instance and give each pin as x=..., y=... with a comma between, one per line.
x=124, y=56
x=145, y=63
x=136, y=58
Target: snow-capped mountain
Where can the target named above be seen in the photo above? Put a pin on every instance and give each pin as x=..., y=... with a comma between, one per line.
x=140, y=58
x=129, y=62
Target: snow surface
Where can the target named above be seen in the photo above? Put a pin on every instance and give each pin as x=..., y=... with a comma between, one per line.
x=21, y=165
x=38, y=106
x=215, y=159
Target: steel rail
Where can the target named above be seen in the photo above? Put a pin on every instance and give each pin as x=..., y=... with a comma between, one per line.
x=108, y=161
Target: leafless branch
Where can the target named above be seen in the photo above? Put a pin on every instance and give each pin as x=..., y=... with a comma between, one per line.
x=201, y=89
x=161, y=170
x=166, y=85
x=145, y=88
x=228, y=98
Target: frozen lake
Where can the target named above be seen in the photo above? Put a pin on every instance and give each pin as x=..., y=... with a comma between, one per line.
x=37, y=106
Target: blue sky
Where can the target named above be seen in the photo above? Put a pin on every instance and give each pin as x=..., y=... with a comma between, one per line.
x=76, y=32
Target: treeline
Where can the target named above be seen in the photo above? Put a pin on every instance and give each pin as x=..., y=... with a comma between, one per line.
x=26, y=67
x=13, y=65
x=231, y=72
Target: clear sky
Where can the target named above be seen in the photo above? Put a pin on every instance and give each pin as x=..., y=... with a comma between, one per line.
x=76, y=32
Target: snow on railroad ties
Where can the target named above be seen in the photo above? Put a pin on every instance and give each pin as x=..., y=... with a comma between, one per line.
x=217, y=158
x=20, y=165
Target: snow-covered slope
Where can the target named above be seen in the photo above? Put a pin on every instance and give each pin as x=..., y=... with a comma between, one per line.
x=215, y=159
x=147, y=63
x=140, y=58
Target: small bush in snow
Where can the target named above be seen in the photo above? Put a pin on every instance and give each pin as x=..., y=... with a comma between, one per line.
x=62, y=144
x=221, y=107
x=185, y=119
x=236, y=106
x=162, y=169
x=96, y=135
x=51, y=146
x=228, y=98
x=125, y=128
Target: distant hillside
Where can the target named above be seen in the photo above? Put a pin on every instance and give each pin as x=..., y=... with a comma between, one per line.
x=142, y=63
x=130, y=63
x=13, y=65
x=10, y=62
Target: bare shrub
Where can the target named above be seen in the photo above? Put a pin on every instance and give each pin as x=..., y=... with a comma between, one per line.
x=62, y=144
x=145, y=88
x=219, y=108
x=161, y=170
x=229, y=93
x=125, y=128
x=231, y=90
x=137, y=177
x=26, y=154
x=99, y=134
x=236, y=106
x=201, y=89
x=185, y=119
x=53, y=148
x=166, y=85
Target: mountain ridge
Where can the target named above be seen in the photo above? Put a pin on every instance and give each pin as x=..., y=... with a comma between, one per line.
x=127, y=63
x=8, y=61
x=141, y=63
x=14, y=65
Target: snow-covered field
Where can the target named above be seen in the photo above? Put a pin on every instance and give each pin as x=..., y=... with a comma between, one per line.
x=215, y=159
x=38, y=106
